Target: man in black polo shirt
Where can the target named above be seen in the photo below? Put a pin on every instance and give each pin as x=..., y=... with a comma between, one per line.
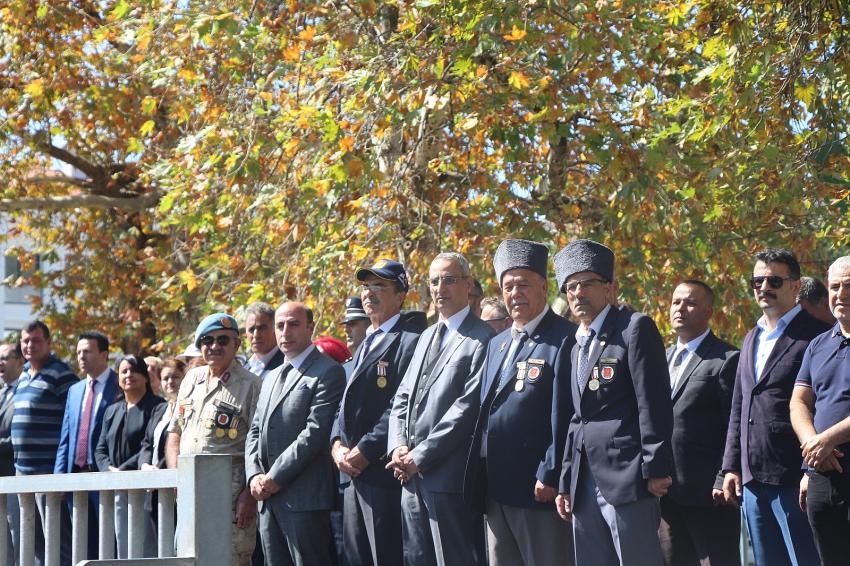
x=820, y=407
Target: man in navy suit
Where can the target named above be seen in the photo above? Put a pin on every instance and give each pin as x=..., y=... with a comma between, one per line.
x=372, y=500
x=84, y=408
x=763, y=461
x=695, y=529
x=618, y=460
x=514, y=462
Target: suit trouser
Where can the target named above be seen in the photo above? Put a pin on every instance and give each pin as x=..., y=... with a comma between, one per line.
x=518, y=536
x=371, y=524
x=779, y=531
x=436, y=527
x=700, y=535
x=296, y=538
x=606, y=534
x=827, y=509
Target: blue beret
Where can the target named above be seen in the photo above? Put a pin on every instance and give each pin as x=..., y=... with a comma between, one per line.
x=520, y=254
x=583, y=255
x=217, y=321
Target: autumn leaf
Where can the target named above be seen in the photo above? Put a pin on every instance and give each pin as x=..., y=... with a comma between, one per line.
x=515, y=35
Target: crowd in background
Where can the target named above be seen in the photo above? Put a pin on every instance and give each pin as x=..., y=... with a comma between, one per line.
x=500, y=433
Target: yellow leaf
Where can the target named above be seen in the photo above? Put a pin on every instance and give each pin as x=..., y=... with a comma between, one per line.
x=516, y=34
x=307, y=34
x=323, y=186
x=518, y=80
x=291, y=147
x=187, y=74
x=267, y=96
x=292, y=53
x=302, y=122
x=35, y=88
x=346, y=144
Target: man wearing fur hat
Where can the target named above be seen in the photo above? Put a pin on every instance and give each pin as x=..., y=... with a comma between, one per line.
x=618, y=458
x=514, y=464
x=215, y=407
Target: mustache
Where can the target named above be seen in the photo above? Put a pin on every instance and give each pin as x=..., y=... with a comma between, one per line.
x=763, y=294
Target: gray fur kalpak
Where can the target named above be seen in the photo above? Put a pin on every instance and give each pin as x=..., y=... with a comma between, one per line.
x=520, y=254
x=583, y=255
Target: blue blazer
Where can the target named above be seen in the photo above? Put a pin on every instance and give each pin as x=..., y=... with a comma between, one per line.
x=624, y=427
x=71, y=422
x=364, y=413
x=520, y=424
x=760, y=443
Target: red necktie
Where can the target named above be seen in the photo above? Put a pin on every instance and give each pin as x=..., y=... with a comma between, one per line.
x=82, y=457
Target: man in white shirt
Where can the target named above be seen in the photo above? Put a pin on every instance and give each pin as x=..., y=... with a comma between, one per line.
x=702, y=377
x=259, y=329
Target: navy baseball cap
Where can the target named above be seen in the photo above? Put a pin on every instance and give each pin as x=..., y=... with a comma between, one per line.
x=386, y=269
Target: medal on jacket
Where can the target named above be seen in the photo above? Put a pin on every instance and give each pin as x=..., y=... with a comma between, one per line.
x=382, y=374
x=608, y=368
x=520, y=376
x=593, y=384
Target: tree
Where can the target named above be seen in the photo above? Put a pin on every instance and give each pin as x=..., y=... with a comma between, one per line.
x=234, y=151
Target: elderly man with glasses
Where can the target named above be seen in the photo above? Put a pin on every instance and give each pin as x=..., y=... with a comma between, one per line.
x=763, y=461
x=215, y=407
x=371, y=521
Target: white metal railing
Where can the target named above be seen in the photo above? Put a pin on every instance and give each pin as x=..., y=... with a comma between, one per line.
x=204, y=512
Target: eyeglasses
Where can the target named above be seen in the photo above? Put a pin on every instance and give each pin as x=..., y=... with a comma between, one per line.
x=222, y=340
x=586, y=283
x=446, y=279
x=774, y=281
x=374, y=287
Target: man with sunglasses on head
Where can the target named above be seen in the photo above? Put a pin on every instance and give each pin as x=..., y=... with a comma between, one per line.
x=762, y=461
x=372, y=499
x=432, y=421
x=215, y=407
x=618, y=458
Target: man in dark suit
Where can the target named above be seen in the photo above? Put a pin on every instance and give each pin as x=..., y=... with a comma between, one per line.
x=11, y=364
x=287, y=459
x=514, y=461
x=81, y=424
x=763, y=461
x=372, y=499
x=618, y=459
x=259, y=329
x=694, y=529
x=432, y=421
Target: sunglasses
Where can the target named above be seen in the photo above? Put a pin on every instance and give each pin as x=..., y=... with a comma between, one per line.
x=446, y=279
x=222, y=340
x=774, y=281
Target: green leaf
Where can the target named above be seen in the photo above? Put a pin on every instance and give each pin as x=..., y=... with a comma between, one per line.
x=120, y=10
x=147, y=127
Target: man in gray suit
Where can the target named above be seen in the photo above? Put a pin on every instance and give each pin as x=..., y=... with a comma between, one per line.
x=287, y=458
x=432, y=420
x=11, y=364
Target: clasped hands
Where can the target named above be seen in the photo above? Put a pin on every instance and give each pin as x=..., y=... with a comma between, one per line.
x=262, y=487
x=402, y=464
x=350, y=461
x=819, y=452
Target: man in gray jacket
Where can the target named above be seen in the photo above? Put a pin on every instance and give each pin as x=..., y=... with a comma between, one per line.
x=287, y=457
x=432, y=421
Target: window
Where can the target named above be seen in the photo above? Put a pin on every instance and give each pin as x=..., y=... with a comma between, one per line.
x=11, y=271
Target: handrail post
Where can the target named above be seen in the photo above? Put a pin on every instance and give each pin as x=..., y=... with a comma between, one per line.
x=204, y=513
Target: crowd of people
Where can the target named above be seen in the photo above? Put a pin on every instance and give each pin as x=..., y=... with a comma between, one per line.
x=503, y=433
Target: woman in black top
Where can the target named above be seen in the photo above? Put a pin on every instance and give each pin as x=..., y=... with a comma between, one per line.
x=124, y=425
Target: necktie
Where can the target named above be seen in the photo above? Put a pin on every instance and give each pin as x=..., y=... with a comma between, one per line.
x=519, y=336
x=82, y=456
x=676, y=367
x=366, y=346
x=584, y=343
x=435, y=346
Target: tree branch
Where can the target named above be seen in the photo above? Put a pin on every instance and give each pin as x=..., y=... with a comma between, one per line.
x=136, y=204
x=90, y=169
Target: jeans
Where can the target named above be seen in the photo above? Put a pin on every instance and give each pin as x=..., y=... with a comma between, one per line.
x=778, y=528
